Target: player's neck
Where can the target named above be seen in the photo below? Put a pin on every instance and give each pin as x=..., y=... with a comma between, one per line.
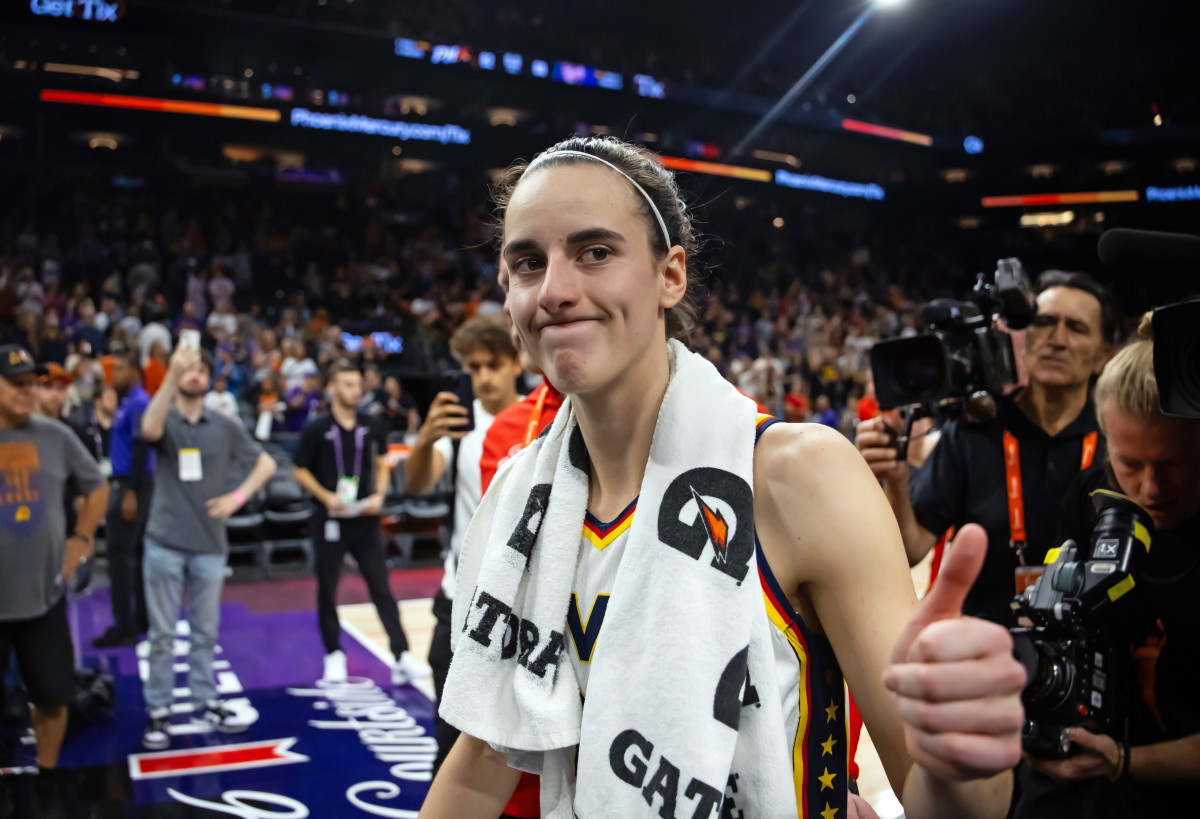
x=1052, y=408
x=618, y=424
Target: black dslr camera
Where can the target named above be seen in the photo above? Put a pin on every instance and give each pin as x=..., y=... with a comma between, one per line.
x=959, y=367
x=1073, y=638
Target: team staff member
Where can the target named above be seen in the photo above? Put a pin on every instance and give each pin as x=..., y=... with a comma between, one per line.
x=1156, y=461
x=342, y=461
x=486, y=351
x=37, y=556
x=186, y=543
x=125, y=524
x=94, y=427
x=1042, y=437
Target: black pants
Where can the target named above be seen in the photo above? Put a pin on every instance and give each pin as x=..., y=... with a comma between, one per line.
x=361, y=538
x=125, y=549
x=439, y=661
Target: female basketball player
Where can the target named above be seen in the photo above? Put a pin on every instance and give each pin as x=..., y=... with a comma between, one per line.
x=598, y=248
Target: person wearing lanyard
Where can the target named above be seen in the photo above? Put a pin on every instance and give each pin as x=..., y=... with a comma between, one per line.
x=341, y=461
x=1010, y=474
x=95, y=429
x=199, y=453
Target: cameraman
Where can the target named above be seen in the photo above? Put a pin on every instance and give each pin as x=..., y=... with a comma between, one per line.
x=1155, y=460
x=1048, y=427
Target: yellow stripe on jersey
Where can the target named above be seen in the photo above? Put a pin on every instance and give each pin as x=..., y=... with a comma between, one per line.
x=600, y=541
x=799, y=757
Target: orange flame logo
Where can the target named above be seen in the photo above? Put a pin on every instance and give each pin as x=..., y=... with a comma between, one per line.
x=715, y=526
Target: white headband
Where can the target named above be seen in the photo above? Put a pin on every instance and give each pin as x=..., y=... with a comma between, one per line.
x=654, y=208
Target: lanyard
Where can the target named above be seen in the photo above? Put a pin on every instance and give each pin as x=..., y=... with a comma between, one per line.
x=358, y=448
x=1016, y=495
x=535, y=417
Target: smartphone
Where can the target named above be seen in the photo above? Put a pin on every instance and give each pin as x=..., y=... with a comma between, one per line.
x=189, y=338
x=459, y=383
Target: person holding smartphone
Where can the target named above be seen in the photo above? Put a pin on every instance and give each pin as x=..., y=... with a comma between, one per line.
x=341, y=461
x=486, y=351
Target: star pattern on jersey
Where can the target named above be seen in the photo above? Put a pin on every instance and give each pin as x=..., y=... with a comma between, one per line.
x=827, y=746
x=827, y=780
x=831, y=711
x=828, y=813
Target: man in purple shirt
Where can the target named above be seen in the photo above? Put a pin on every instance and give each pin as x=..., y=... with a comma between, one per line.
x=304, y=401
x=125, y=524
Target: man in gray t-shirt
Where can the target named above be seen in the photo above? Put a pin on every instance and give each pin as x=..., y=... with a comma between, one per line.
x=39, y=457
x=194, y=492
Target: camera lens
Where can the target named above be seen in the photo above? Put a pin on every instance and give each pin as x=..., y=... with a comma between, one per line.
x=1050, y=673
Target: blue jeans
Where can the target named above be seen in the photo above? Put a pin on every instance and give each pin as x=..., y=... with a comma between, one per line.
x=166, y=572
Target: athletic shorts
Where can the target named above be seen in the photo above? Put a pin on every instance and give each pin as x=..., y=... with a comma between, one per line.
x=45, y=656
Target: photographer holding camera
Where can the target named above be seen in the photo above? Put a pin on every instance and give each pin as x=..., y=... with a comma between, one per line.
x=1041, y=437
x=1155, y=460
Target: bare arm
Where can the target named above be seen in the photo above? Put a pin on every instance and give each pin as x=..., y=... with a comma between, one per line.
x=80, y=543
x=1173, y=762
x=425, y=465
x=224, y=506
x=474, y=782
x=156, y=414
x=309, y=481
x=849, y=563
x=878, y=449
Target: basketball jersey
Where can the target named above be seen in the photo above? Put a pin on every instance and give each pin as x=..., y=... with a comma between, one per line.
x=808, y=679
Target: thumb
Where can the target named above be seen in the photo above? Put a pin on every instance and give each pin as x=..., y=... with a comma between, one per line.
x=961, y=565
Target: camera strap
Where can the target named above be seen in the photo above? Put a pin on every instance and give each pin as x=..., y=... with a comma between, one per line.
x=1016, y=495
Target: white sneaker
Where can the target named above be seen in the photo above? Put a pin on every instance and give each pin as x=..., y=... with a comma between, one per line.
x=335, y=667
x=155, y=737
x=221, y=718
x=409, y=668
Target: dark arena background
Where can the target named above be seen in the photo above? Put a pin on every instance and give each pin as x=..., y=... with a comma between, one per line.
x=328, y=163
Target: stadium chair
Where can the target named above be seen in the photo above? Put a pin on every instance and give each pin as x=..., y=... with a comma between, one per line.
x=288, y=512
x=246, y=528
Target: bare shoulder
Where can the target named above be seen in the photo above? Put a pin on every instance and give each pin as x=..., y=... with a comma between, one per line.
x=817, y=506
x=793, y=456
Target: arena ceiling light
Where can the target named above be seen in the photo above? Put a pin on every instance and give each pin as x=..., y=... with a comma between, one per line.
x=1049, y=219
x=115, y=74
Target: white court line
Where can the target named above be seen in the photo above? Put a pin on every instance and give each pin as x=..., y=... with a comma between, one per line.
x=424, y=685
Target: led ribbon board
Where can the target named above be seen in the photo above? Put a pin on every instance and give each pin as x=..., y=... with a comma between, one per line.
x=1060, y=199
x=1186, y=193
x=204, y=109
x=887, y=133
x=396, y=129
x=785, y=179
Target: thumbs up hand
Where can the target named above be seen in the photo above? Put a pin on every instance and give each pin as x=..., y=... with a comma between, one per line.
x=956, y=682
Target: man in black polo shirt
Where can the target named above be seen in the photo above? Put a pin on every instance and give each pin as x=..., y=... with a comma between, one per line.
x=1042, y=437
x=341, y=461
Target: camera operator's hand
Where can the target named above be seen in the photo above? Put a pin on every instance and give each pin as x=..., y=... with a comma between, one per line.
x=957, y=685
x=1095, y=755
x=445, y=417
x=877, y=443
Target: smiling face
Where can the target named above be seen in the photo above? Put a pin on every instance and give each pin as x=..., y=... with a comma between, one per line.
x=586, y=294
x=1064, y=346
